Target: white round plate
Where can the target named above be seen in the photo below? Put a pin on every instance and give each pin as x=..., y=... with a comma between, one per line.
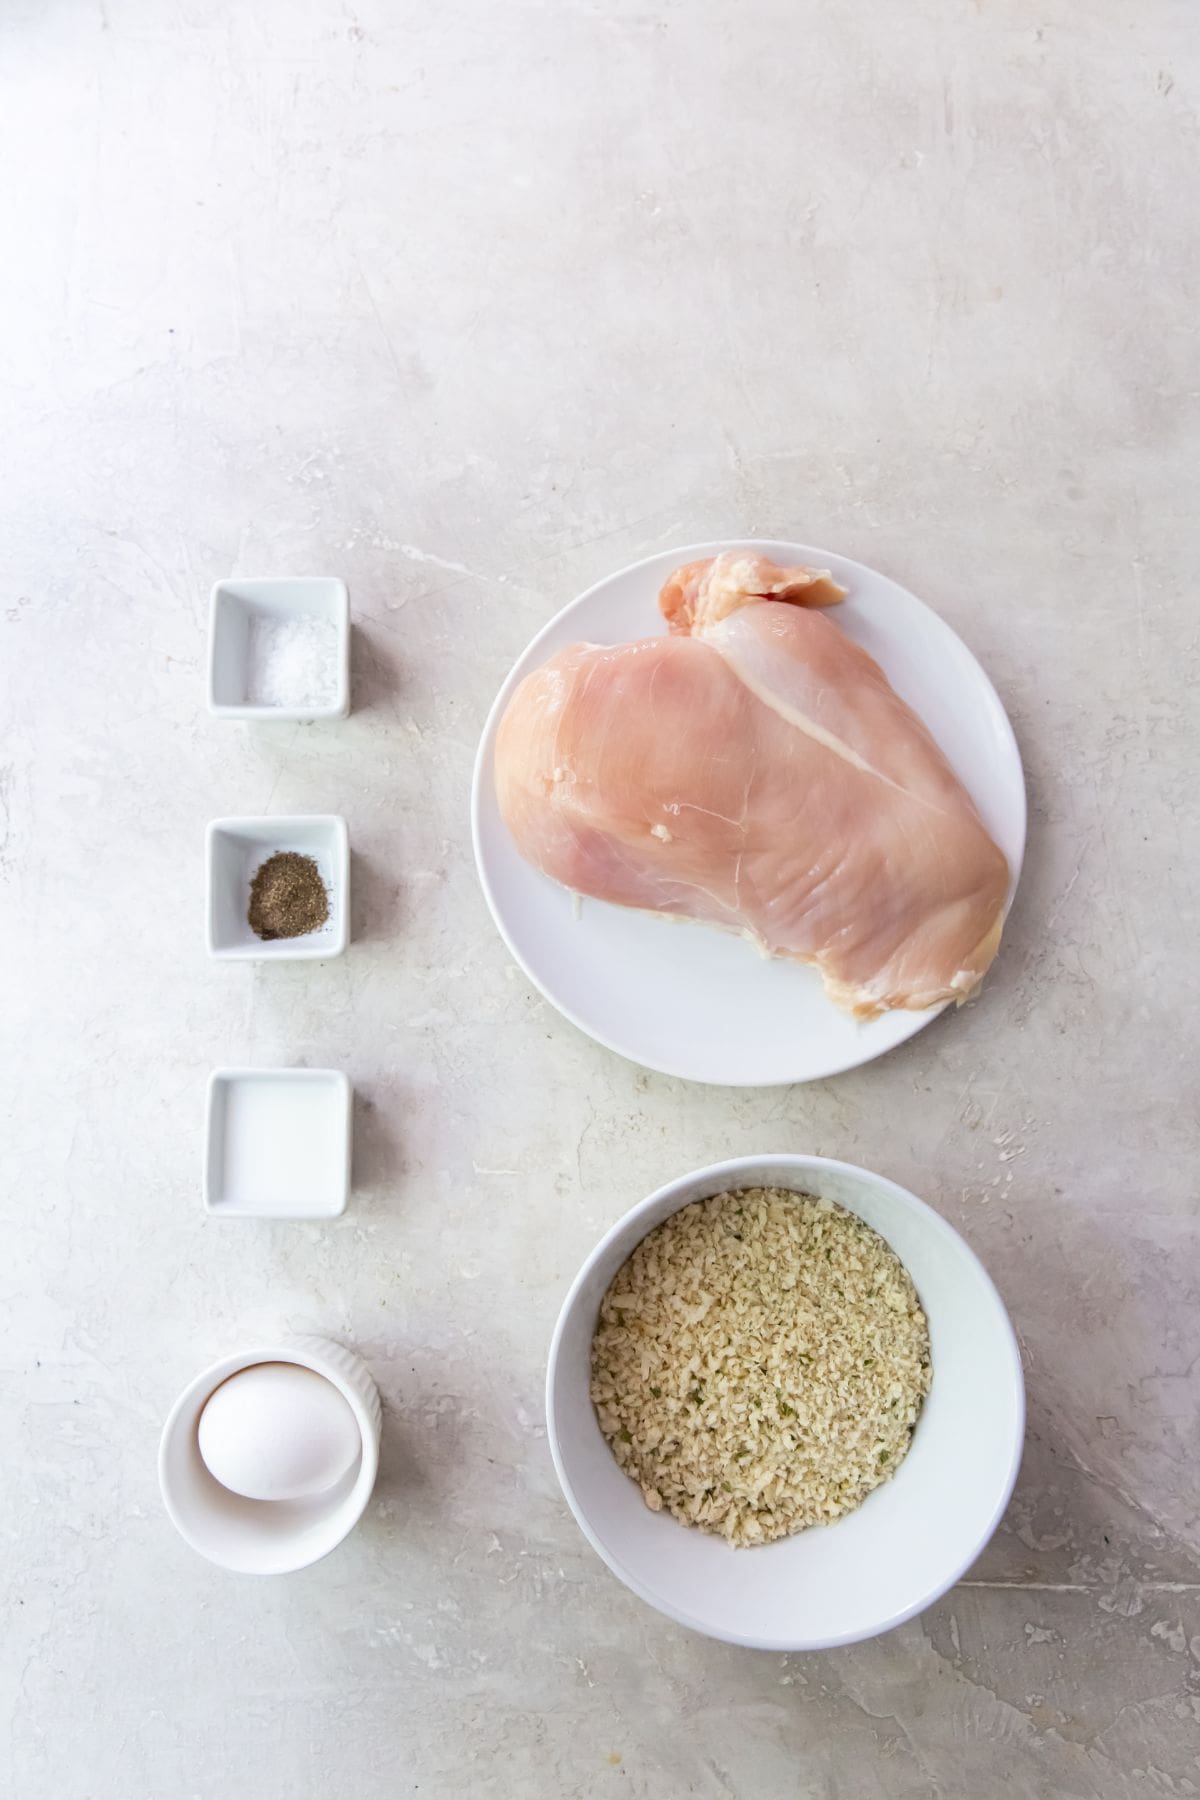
x=686, y=999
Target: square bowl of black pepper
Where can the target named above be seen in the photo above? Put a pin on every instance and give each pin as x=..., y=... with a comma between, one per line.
x=278, y=889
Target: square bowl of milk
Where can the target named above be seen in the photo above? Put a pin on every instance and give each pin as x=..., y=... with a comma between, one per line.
x=279, y=648
x=277, y=1143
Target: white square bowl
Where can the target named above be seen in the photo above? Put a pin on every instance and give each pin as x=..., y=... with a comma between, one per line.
x=237, y=848
x=277, y=1143
x=237, y=606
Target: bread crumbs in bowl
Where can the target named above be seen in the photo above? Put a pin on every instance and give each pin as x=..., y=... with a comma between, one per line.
x=814, y=1387
x=759, y=1363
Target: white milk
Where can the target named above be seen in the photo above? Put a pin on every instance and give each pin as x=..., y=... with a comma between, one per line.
x=283, y=1146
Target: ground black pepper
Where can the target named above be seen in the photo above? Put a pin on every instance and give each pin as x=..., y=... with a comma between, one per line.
x=287, y=897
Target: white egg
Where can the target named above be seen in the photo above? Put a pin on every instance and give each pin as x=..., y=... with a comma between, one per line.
x=277, y=1431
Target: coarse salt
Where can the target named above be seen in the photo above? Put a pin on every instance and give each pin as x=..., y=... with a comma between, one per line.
x=292, y=661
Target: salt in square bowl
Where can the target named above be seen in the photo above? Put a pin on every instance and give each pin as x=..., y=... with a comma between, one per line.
x=279, y=648
x=277, y=1143
x=237, y=848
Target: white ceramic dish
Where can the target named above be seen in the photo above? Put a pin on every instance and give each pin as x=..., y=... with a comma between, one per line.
x=685, y=999
x=263, y=1537
x=236, y=848
x=277, y=1143
x=913, y=1537
x=233, y=611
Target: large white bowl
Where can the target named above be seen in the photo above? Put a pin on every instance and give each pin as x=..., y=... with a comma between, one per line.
x=911, y=1539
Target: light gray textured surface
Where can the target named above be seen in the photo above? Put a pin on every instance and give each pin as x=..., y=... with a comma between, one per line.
x=472, y=303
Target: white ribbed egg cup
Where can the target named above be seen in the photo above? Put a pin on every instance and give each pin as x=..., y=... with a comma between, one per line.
x=257, y=1537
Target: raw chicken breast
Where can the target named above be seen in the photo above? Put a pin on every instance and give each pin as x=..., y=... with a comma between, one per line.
x=755, y=770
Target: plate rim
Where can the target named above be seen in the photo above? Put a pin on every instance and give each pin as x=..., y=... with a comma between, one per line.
x=812, y=556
